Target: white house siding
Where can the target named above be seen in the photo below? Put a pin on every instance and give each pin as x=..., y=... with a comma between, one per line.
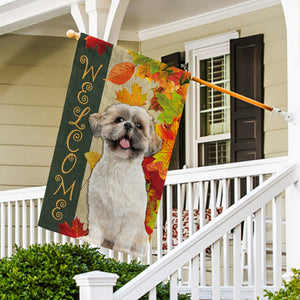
x=270, y=22
x=34, y=75
x=33, y=80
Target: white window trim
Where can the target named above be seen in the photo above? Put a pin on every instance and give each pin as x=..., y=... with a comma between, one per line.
x=200, y=49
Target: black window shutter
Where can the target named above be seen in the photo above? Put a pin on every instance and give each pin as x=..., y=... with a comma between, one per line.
x=178, y=155
x=246, y=77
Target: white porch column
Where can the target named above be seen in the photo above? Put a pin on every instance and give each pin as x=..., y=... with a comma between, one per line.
x=292, y=18
x=104, y=17
x=96, y=285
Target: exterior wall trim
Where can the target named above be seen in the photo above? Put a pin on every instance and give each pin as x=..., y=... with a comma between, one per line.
x=205, y=18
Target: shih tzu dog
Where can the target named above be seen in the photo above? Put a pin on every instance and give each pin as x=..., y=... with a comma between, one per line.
x=117, y=190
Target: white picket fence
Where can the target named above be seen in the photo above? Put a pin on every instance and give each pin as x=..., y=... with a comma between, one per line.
x=249, y=230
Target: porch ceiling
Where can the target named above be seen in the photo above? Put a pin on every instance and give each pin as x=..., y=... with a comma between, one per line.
x=143, y=19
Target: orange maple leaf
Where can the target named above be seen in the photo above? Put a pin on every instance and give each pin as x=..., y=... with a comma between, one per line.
x=121, y=73
x=135, y=98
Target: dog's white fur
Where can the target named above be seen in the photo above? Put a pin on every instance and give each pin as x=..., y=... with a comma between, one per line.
x=117, y=192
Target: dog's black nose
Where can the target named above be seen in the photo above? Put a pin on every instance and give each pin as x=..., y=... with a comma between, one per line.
x=128, y=126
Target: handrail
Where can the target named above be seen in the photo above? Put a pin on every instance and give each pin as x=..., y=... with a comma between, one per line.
x=230, y=170
x=22, y=194
x=210, y=233
x=254, y=167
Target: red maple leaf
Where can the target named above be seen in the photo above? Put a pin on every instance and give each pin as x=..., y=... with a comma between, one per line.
x=75, y=231
x=176, y=76
x=94, y=43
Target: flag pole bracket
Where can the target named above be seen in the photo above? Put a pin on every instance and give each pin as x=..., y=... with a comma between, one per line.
x=285, y=115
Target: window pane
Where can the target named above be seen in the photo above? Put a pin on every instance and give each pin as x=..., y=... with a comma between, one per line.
x=214, y=153
x=214, y=105
x=206, y=124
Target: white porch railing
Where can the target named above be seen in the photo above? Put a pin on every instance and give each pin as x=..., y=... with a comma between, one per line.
x=191, y=250
x=188, y=192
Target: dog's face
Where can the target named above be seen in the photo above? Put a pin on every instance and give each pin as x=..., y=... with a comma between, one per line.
x=128, y=131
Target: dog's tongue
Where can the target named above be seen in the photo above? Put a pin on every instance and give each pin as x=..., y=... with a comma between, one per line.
x=125, y=143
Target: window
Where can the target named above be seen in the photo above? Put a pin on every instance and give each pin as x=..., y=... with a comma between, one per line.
x=208, y=110
x=214, y=112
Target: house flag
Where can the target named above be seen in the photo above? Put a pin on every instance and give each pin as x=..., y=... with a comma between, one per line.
x=118, y=128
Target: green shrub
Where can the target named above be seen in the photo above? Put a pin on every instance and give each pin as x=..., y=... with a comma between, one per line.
x=44, y=272
x=290, y=291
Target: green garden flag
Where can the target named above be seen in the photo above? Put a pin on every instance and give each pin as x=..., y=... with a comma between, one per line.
x=118, y=128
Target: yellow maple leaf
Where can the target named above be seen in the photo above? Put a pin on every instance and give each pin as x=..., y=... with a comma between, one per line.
x=143, y=71
x=135, y=98
x=92, y=158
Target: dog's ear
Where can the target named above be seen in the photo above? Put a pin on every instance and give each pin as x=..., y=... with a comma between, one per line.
x=155, y=144
x=94, y=121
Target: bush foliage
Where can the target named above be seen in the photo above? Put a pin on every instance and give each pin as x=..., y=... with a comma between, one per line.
x=290, y=290
x=43, y=272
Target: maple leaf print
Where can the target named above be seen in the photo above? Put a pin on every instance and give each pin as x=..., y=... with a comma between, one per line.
x=94, y=43
x=135, y=98
x=143, y=71
x=171, y=108
x=75, y=231
x=92, y=158
x=121, y=73
x=168, y=135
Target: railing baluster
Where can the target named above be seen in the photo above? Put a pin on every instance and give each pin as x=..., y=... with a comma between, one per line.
x=152, y=294
x=216, y=270
x=173, y=286
x=190, y=208
x=40, y=230
x=32, y=222
x=179, y=228
x=194, y=282
x=55, y=237
x=17, y=223
x=237, y=266
x=237, y=189
x=213, y=199
x=9, y=229
x=48, y=236
x=249, y=232
x=2, y=224
x=263, y=245
x=258, y=287
x=263, y=240
x=202, y=200
x=277, y=241
x=202, y=222
x=65, y=239
x=169, y=217
x=237, y=276
x=111, y=253
x=191, y=220
x=224, y=204
x=24, y=224
x=149, y=254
